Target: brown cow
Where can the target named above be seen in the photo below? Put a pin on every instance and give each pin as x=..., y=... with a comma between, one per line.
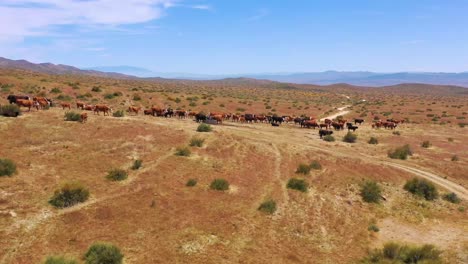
x=65, y=105
x=218, y=118
x=157, y=111
x=148, y=112
x=84, y=117
x=324, y=126
x=134, y=109
x=27, y=103
x=181, y=113
x=80, y=105
x=88, y=107
x=102, y=108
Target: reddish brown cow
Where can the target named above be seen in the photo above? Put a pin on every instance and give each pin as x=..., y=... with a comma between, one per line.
x=84, y=117
x=148, y=112
x=157, y=111
x=80, y=105
x=27, y=103
x=134, y=109
x=102, y=108
x=89, y=107
x=324, y=126
x=65, y=105
x=218, y=118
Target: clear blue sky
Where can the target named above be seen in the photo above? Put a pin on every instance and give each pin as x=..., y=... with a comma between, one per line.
x=240, y=36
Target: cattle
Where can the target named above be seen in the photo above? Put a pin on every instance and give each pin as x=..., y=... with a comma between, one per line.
x=200, y=117
x=148, y=112
x=328, y=121
x=358, y=121
x=157, y=111
x=377, y=125
x=261, y=118
x=275, y=124
x=27, y=103
x=13, y=98
x=65, y=105
x=102, y=108
x=352, y=127
x=192, y=114
x=298, y=120
x=390, y=125
x=250, y=118
x=277, y=119
x=88, y=107
x=218, y=118
x=235, y=118
x=134, y=109
x=337, y=126
x=309, y=123
x=42, y=102
x=168, y=112
x=181, y=114
x=84, y=117
x=324, y=132
x=326, y=126
x=80, y=105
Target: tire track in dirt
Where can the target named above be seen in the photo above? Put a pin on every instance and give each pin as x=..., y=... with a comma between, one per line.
x=277, y=173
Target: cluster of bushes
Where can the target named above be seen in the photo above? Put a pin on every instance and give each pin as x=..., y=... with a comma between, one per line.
x=329, y=138
x=191, y=183
x=183, y=152
x=371, y=192
x=196, y=142
x=426, y=144
x=268, y=207
x=137, y=164
x=60, y=260
x=305, y=168
x=297, y=184
x=118, y=113
x=117, y=175
x=11, y=110
x=451, y=197
x=69, y=194
x=204, y=128
x=72, y=116
x=395, y=253
x=350, y=138
x=7, y=167
x=219, y=185
x=373, y=141
x=401, y=152
x=422, y=188
x=98, y=253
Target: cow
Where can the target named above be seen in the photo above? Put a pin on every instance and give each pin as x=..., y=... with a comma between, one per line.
x=148, y=112
x=277, y=119
x=377, y=125
x=250, y=118
x=84, y=117
x=326, y=126
x=65, y=105
x=261, y=118
x=352, y=127
x=218, y=118
x=102, y=108
x=235, y=118
x=27, y=103
x=358, y=121
x=328, y=121
x=13, y=98
x=337, y=126
x=192, y=114
x=298, y=120
x=41, y=101
x=200, y=117
x=134, y=109
x=80, y=105
x=390, y=125
x=309, y=123
x=168, y=113
x=181, y=114
x=88, y=107
x=157, y=111
x=324, y=132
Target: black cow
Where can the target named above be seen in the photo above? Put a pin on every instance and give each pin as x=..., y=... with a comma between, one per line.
x=249, y=118
x=275, y=124
x=168, y=113
x=12, y=98
x=358, y=121
x=353, y=128
x=200, y=117
x=277, y=119
x=324, y=132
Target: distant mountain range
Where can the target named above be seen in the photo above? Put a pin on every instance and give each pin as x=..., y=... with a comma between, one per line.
x=358, y=78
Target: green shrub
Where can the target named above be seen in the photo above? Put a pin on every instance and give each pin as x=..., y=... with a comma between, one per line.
x=103, y=253
x=373, y=228
x=426, y=144
x=455, y=158
x=183, y=152
x=297, y=184
x=56, y=90
x=401, y=152
x=315, y=165
x=197, y=142
x=69, y=194
x=136, y=97
x=204, y=128
x=191, y=183
x=268, y=207
x=72, y=116
x=10, y=110
x=219, y=184
x=373, y=141
x=395, y=253
x=117, y=175
x=109, y=96
x=422, y=188
x=371, y=192
x=7, y=167
x=60, y=260
x=329, y=138
x=118, y=113
x=350, y=137
x=396, y=133
x=137, y=164
x=96, y=89
x=303, y=169
x=451, y=197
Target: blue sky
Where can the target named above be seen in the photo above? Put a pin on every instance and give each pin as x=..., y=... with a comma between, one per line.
x=239, y=36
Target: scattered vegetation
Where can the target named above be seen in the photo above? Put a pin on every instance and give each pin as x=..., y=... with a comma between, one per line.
x=96, y=89
x=451, y=197
x=60, y=260
x=69, y=194
x=10, y=110
x=103, y=253
x=329, y=138
x=395, y=253
x=268, y=207
x=315, y=165
x=350, y=137
x=401, y=152
x=72, y=116
x=297, y=184
x=117, y=175
x=219, y=185
x=183, y=152
x=137, y=164
x=426, y=144
x=373, y=141
x=396, y=133
x=191, y=183
x=422, y=188
x=455, y=158
x=371, y=192
x=118, y=113
x=196, y=142
x=7, y=167
x=303, y=169
x=373, y=228
x=204, y=128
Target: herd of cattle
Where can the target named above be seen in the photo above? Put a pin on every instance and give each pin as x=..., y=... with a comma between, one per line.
x=213, y=117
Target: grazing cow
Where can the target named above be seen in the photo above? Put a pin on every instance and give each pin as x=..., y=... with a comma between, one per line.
x=309, y=123
x=134, y=109
x=65, y=105
x=13, y=98
x=102, y=108
x=84, y=117
x=88, y=107
x=328, y=121
x=390, y=125
x=277, y=119
x=324, y=132
x=181, y=114
x=352, y=127
x=200, y=117
x=358, y=121
x=27, y=103
x=80, y=105
x=337, y=126
x=148, y=112
x=192, y=114
x=235, y=118
x=326, y=126
x=377, y=125
x=41, y=101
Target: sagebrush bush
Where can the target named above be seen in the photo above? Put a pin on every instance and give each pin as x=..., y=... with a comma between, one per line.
x=371, y=192
x=373, y=141
x=7, y=167
x=303, y=169
x=137, y=164
x=191, y=183
x=451, y=197
x=183, y=152
x=329, y=138
x=118, y=113
x=396, y=133
x=268, y=207
x=103, y=253
x=196, y=142
x=422, y=188
x=72, y=116
x=373, y=228
x=426, y=144
x=60, y=260
x=315, y=165
x=455, y=158
x=219, y=185
x=10, y=110
x=297, y=184
x=117, y=175
x=69, y=194
x=401, y=152
x=350, y=137
x=204, y=128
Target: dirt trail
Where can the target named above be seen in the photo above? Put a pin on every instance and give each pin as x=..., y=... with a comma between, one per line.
x=341, y=111
x=278, y=161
